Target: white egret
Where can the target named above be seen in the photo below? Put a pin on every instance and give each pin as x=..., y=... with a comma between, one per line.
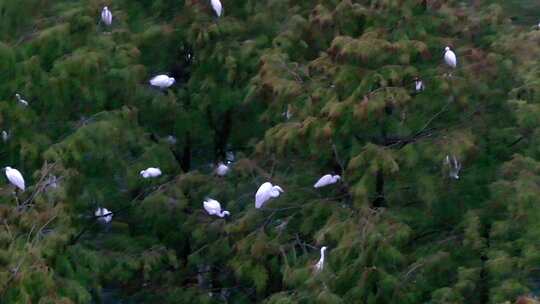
x=15, y=177
x=288, y=113
x=162, y=81
x=103, y=215
x=5, y=135
x=326, y=180
x=222, y=169
x=106, y=16
x=150, y=172
x=218, y=8
x=52, y=181
x=171, y=140
x=22, y=101
x=454, y=166
x=320, y=264
x=418, y=85
x=213, y=207
x=229, y=156
x=450, y=57
x=266, y=192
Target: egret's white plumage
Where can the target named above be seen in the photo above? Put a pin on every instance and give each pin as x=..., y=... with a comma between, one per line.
x=288, y=113
x=229, y=156
x=222, y=169
x=418, y=85
x=320, y=264
x=5, y=135
x=15, y=177
x=150, y=172
x=450, y=57
x=218, y=8
x=22, y=101
x=213, y=207
x=162, y=81
x=171, y=140
x=103, y=215
x=266, y=191
x=106, y=16
x=454, y=166
x=326, y=180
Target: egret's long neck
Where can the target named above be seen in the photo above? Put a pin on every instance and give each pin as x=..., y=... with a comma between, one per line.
x=223, y=213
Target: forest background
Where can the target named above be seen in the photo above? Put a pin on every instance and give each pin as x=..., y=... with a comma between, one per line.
x=397, y=227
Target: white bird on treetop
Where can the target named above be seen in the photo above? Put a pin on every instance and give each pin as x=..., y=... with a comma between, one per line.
x=15, y=177
x=326, y=180
x=320, y=264
x=450, y=57
x=22, y=101
x=218, y=8
x=103, y=215
x=222, y=169
x=150, y=172
x=213, y=207
x=266, y=191
x=162, y=81
x=5, y=135
x=106, y=16
x=418, y=85
x=454, y=166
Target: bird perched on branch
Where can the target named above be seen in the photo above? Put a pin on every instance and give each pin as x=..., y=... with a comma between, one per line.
x=266, y=192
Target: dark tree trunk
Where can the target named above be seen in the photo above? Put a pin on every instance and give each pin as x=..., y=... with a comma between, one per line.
x=379, y=201
x=185, y=163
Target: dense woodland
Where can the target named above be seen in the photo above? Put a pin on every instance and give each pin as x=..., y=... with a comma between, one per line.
x=284, y=91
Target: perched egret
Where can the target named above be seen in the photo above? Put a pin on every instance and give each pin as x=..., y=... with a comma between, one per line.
x=15, y=177
x=162, y=81
x=22, y=101
x=288, y=113
x=171, y=140
x=213, y=207
x=326, y=180
x=218, y=8
x=222, y=169
x=150, y=172
x=229, y=156
x=418, y=85
x=266, y=191
x=320, y=264
x=106, y=16
x=103, y=215
x=52, y=182
x=450, y=57
x=454, y=166
x=5, y=135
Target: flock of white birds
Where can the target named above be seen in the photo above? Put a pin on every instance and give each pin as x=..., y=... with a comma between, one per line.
x=266, y=191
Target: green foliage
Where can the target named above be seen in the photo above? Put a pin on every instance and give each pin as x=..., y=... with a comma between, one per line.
x=398, y=227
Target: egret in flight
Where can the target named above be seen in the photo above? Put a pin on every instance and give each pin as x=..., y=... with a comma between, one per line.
x=213, y=207
x=266, y=192
x=15, y=177
x=103, y=215
x=162, y=81
x=450, y=57
x=106, y=16
x=222, y=169
x=326, y=180
x=22, y=101
x=218, y=8
x=150, y=172
x=320, y=264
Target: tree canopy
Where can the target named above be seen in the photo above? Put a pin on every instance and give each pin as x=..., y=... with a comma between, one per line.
x=438, y=190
